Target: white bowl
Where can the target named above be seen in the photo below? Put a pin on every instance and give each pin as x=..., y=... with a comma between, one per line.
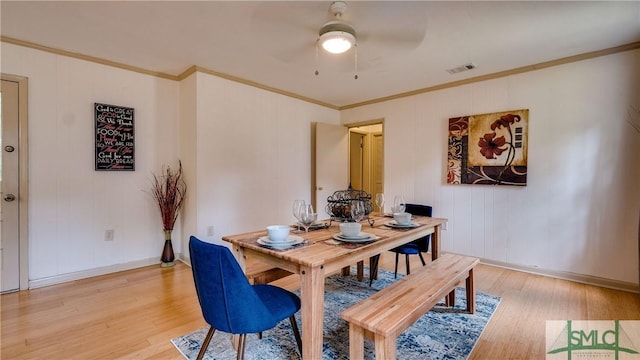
x=278, y=233
x=403, y=218
x=350, y=229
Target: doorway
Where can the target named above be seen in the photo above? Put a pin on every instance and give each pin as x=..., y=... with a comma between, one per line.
x=13, y=180
x=366, y=157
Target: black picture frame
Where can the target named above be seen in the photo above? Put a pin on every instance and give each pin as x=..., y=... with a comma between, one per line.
x=114, y=138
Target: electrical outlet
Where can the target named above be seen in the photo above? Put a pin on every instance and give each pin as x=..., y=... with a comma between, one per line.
x=445, y=225
x=210, y=231
x=108, y=235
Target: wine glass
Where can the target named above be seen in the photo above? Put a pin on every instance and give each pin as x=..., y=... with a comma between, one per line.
x=307, y=216
x=297, y=205
x=398, y=204
x=357, y=210
x=380, y=202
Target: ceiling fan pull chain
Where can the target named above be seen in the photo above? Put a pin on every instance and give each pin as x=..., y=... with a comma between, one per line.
x=317, y=72
x=356, y=62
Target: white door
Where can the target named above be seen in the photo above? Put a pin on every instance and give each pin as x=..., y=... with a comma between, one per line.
x=332, y=166
x=10, y=182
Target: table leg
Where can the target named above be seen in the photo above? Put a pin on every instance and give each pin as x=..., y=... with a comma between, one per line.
x=451, y=298
x=238, y=253
x=471, y=293
x=312, y=298
x=435, y=243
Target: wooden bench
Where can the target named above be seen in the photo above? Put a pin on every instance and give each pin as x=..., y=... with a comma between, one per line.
x=386, y=314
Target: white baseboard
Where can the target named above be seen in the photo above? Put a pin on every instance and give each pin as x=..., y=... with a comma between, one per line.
x=185, y=260
x=58, y=279
x=581, y=278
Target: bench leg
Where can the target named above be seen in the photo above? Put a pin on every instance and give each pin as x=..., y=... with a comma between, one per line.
x=471, y=293
x=356, y=342
x=386, y=347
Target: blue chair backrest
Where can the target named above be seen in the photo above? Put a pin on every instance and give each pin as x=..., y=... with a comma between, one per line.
x=226, y=297
x=420, y=210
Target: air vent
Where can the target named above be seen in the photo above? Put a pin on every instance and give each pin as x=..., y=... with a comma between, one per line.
x=461, y=68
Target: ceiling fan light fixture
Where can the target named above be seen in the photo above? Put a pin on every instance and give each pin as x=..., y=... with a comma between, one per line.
x=337, y=36
x=337, y=42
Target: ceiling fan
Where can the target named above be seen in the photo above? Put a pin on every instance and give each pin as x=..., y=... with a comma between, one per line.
x=337, y=36
x=384, y=29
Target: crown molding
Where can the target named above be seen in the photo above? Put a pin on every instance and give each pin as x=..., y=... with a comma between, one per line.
x=500, y=74
x=80, y=56
x=194, y=68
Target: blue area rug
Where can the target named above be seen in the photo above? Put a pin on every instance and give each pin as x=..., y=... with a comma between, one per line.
x=440, y=334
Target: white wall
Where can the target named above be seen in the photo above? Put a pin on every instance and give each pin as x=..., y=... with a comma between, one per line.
x=70, y=204
x=580, y=209
x=253, y=156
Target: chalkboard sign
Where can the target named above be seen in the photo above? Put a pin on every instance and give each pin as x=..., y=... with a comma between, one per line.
x=114, y=137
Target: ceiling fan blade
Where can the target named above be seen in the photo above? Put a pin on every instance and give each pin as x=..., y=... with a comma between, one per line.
x=295, y=23
x=392, y=40
x=374, y=28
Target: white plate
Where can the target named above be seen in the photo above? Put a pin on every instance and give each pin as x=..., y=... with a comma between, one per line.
x=394, y=224
x=369, y=237
x=360, y=236
x=290, y=241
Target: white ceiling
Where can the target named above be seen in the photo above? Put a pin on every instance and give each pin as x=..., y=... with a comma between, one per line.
x=402, y=46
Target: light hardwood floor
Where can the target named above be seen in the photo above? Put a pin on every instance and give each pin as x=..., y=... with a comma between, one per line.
x=134, y=314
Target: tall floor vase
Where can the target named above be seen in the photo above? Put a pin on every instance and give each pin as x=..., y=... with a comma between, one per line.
x=167, y=253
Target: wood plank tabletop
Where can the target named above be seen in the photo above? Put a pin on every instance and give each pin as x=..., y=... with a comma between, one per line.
x=319, y=247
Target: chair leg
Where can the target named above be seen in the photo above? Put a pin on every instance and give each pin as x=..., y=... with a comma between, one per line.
x=296, y=332
x=422, y=259
x=205, y=343
x=406, y=261
x=373, y=268
x=243, y=342
x=395, y=274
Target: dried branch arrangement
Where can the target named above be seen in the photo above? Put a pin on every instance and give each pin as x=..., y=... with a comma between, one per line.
x=169, y=189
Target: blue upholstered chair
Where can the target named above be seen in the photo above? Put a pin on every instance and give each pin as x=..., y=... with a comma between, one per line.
x=232, y=305
x=416, y=247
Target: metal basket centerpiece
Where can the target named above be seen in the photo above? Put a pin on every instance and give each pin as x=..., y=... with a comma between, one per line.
x=339, y=205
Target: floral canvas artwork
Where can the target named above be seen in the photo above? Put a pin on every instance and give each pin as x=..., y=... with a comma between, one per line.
x=489, y=149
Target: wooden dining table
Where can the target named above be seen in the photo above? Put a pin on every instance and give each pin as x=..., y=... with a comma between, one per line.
x=321, y=255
